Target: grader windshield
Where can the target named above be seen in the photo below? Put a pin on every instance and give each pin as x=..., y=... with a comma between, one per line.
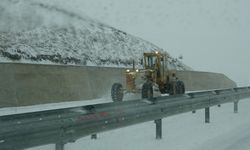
x=150, y=60
x=154, y=60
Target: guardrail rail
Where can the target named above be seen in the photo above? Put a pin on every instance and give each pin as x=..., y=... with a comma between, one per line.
x=61, y=126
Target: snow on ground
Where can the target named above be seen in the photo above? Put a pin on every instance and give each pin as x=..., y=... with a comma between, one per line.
x=227, y=131
x=50, y=106
x=237, y=139
x=44, y=107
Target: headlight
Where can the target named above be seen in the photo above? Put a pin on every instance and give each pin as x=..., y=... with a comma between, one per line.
x=137, y=70
x=127, y=70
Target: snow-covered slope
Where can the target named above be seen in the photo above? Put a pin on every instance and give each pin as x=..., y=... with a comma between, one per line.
x=39, y=32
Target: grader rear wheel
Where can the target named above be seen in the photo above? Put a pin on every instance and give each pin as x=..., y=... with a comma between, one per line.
x=117, y=92
x=177, y=87
x=180, y=87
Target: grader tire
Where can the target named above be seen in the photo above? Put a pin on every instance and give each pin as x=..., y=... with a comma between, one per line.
x=183, y=88
x=171, y=88
x=117, y=92
x=147, y=90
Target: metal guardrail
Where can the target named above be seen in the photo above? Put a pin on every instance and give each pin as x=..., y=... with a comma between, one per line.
x=61, y=126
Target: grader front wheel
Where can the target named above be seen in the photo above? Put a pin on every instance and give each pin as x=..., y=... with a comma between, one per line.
x=117, y=92
x=147, y=90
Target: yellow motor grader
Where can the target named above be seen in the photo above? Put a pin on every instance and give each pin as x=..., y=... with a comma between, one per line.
x=155, y=76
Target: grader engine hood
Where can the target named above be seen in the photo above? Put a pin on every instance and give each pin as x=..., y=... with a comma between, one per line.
x=134, y=80
x=149, y=75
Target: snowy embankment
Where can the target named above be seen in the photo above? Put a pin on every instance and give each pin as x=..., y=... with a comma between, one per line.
x=40, y=32
x=227, y=131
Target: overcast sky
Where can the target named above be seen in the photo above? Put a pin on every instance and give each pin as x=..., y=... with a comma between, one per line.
x=212, y=35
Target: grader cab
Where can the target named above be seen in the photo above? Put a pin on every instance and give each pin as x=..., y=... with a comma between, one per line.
x=155, y=76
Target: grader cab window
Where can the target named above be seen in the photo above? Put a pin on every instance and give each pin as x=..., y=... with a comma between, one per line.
x=150, y=61
x=162, y=61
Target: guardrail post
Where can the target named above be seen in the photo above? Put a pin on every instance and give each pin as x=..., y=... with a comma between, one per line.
x=158, y=124
x=236, y=106
x=94, y=136
x=207, y=115
x=60, y=146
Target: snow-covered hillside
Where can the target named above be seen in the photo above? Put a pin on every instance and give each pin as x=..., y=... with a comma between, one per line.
x=39, y=32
